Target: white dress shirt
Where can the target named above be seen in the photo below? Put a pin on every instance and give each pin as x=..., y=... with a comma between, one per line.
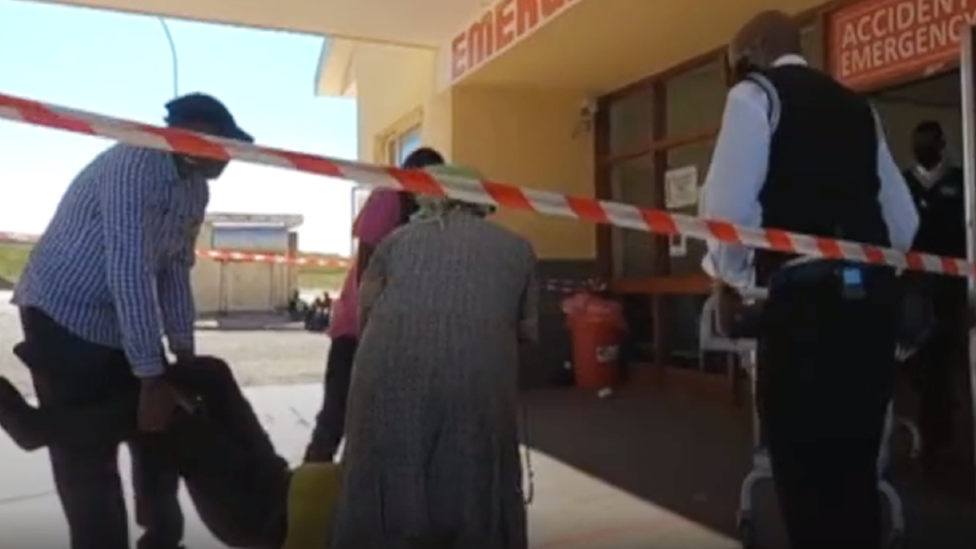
x=738, y=173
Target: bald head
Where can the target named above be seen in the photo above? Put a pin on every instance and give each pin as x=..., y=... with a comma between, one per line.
x=764, y=39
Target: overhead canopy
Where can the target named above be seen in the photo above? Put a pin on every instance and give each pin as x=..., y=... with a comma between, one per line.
x=421, y=23
x=601, y=45
x=593, y=44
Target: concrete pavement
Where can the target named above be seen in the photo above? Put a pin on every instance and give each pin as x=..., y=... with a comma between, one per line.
x=258, y=355
x=572, y=510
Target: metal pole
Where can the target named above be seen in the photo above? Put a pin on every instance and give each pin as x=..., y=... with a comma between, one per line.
x=174, y=57
x=272, y=287
x=221, y=290
x=968, y=88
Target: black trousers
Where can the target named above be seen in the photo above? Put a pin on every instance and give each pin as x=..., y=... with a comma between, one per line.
x=236, y=480
x=330, y=422
x=68, y=372
x=826, y=375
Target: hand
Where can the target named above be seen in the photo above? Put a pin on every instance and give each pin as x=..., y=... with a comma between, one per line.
x=157, y=401
x=184, y=356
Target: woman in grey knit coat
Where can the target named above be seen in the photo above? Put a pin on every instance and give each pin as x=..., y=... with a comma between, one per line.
x=432, y=457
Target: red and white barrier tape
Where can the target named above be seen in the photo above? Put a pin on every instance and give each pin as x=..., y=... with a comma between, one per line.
x=471, y=190
x=560, y=285
x=219, y=255
x=224, y=255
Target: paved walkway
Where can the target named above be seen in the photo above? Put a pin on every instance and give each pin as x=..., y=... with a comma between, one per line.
x=572, y=509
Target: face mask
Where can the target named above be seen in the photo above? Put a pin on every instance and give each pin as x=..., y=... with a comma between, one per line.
x=928, y=156
x=205, y=167
x=212, y=170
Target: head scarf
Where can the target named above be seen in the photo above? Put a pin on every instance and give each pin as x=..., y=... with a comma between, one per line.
x=436, y=207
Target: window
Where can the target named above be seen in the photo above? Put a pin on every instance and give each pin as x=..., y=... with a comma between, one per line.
x=631, y=120
x=695, y=99
x=653, y=147
x=400, y=145
x=408, y=142
x=632, y=182
x=693, y=104
x=359, y=196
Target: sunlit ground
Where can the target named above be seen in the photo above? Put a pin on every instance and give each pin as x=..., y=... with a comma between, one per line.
x=258, y=356
x=571, y=509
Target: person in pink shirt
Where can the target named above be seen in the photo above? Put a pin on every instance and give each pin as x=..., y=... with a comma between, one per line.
x=385, y=210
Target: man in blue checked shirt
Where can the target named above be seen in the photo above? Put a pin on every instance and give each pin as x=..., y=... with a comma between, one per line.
x=108, y=279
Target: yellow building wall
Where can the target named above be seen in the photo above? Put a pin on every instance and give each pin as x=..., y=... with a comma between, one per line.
x=525, y=137
x=438, y=122
x=392, y=82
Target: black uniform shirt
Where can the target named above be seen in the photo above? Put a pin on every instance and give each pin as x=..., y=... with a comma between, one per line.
x=942, y=229
x=942, y=213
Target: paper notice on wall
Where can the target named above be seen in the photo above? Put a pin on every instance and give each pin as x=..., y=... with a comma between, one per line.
x=681, y=187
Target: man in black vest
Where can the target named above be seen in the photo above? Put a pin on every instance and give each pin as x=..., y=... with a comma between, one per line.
x=800, y=152
x=937, y=188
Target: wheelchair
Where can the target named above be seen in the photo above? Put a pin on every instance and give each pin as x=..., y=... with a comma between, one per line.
x=710, y=340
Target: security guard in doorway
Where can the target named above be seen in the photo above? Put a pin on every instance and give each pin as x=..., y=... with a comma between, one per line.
x=938, y=190
x=800, y=152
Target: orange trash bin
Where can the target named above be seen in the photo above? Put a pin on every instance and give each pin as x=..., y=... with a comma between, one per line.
x=597, y=329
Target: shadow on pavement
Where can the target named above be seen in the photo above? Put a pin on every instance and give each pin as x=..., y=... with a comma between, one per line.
x=690, y=457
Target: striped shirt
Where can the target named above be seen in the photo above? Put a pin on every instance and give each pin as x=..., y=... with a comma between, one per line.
x=113, y=266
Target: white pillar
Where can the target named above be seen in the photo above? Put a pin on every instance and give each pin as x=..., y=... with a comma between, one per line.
x=968, y=79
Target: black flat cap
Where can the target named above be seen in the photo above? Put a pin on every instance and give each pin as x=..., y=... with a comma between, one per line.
x=200, y=109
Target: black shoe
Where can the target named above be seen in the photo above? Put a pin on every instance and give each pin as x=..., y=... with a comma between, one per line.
x=19, y=419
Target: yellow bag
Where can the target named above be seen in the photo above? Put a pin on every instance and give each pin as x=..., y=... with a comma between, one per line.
x=312, y=497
